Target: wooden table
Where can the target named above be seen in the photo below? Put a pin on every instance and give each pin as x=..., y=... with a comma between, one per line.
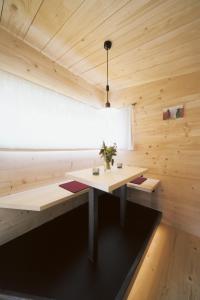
x=106, y=181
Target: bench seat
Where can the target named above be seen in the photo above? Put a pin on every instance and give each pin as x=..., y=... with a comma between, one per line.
x=38, y=199
x=148, y=185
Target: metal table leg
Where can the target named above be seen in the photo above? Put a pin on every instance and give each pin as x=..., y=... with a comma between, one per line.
x=93, y=224
x=123, y=203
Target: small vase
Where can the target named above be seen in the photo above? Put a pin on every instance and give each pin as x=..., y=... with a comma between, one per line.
x=107, y=165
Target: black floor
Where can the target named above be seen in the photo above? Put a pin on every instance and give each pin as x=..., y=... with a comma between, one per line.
x=51, y=261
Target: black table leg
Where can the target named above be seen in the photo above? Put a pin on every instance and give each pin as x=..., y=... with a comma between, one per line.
x=93, y=224
x=123, y=203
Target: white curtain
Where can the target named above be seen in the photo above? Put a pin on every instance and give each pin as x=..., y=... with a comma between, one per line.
x=117, y=127
x=37, y=118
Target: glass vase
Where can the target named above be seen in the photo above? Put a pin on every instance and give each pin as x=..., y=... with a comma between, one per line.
x=107, y=165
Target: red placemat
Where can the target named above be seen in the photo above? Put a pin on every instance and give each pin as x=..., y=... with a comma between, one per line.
x=139, y=180
x=74, y=186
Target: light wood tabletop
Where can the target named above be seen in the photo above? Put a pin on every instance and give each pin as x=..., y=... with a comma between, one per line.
x=109, y=180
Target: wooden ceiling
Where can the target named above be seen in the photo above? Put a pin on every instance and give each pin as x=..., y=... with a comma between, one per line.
x=152, y=39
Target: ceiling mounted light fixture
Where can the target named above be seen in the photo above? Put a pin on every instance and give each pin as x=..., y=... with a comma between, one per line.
x=107, y=46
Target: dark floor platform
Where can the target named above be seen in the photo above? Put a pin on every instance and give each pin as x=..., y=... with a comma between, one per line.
x=51, y=261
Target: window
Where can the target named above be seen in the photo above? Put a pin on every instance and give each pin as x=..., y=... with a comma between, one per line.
x=33, y=117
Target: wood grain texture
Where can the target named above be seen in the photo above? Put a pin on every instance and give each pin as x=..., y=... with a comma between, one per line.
x=107, y=181
x=23, y=170
x=39, y=199
x=20, y=59
x=171, y=268
x=1, y=9
x=169, y=149
x=86, y=19
x=49, y=20
x=133, y=26
x=152, y=39
x=174, y=53
x=18, y=15
x=92, y=44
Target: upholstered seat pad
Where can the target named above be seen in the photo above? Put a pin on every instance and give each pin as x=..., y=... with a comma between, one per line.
x=74, y=186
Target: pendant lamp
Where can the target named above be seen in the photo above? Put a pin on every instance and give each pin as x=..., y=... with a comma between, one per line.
x=107, y=47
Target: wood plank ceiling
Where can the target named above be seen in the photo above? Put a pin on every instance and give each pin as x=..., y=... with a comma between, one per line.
x=152, y=39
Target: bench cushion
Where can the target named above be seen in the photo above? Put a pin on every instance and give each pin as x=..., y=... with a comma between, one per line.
x=149, y=185
x=139, y=180
x=74, y=186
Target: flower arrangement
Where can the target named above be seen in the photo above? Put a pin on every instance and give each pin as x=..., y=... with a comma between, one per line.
x=107, y=154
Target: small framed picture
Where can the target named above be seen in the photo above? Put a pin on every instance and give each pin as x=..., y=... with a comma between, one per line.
x=174, y=112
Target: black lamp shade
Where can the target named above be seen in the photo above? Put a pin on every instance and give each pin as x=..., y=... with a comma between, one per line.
x=107, y=104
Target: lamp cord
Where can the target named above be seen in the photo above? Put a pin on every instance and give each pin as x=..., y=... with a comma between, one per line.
x=107, y=67
x=107, y=87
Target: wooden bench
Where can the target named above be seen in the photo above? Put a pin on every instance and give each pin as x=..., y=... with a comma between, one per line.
x=148, y=185
x=44, y=197
x=38, y=199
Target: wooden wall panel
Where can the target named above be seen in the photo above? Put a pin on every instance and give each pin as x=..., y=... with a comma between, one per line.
x=152, y=39
x=91, y=14
x=170, y=52
x=170, y=149
x=1, y=8
x=21, y=170
x=49, y=20
x=176, y=52
x=170, y=269
x=20, y=59
x=17, y=15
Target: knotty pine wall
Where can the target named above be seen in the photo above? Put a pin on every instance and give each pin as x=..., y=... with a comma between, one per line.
x=170, y=149
x=21, y=170
x=18, y=58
